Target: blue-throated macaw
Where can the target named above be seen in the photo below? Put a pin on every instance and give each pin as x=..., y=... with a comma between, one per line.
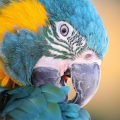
x=42, y=43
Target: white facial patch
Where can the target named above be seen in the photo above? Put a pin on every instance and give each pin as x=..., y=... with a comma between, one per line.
x=58, y=64
x=87, y=56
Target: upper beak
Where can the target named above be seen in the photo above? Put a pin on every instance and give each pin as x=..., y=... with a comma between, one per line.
x=85, y=78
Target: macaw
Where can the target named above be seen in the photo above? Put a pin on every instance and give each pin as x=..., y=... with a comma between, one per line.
x=42, y=44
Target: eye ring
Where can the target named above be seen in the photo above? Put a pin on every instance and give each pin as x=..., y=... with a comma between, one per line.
x=64, y=30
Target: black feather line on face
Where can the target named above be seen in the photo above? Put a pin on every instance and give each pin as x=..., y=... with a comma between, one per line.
x=73, y=44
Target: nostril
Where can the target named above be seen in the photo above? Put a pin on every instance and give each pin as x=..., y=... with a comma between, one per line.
x=88, y=56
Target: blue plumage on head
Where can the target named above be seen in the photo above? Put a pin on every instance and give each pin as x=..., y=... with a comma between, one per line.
x=82, y=15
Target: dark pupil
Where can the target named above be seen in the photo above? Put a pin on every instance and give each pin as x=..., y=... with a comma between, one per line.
x=63, y=30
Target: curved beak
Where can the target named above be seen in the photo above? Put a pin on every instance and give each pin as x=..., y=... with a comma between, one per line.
x=85, y=75
x=85, y=78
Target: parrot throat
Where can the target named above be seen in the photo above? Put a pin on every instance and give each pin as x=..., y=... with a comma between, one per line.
x=31, y=15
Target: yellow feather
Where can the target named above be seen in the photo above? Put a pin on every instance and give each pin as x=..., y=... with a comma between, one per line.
x=28, y=14
x=1, y=74
x=5, y=80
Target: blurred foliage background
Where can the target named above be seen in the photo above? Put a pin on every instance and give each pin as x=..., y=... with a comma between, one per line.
x=105, y=105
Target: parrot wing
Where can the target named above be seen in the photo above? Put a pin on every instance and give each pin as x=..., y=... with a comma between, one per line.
x=41, y=103
x=12, y=45
x=73, y=112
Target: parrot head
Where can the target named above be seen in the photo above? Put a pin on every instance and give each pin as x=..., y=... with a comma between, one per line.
x=47, y=41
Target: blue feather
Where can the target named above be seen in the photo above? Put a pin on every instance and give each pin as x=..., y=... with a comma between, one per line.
x=82, y=15
x=36, y=106
x=19, y=56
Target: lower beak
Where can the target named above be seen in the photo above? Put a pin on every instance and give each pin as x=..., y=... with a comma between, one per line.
x=85, y=78
x=46, y=75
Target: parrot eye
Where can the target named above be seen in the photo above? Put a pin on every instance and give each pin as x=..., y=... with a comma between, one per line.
x=64, y=30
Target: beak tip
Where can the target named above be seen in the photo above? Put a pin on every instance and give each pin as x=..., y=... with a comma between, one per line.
x=85, y=78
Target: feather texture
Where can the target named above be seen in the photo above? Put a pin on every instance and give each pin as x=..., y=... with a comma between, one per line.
x=33, y=103
x=28, y=14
